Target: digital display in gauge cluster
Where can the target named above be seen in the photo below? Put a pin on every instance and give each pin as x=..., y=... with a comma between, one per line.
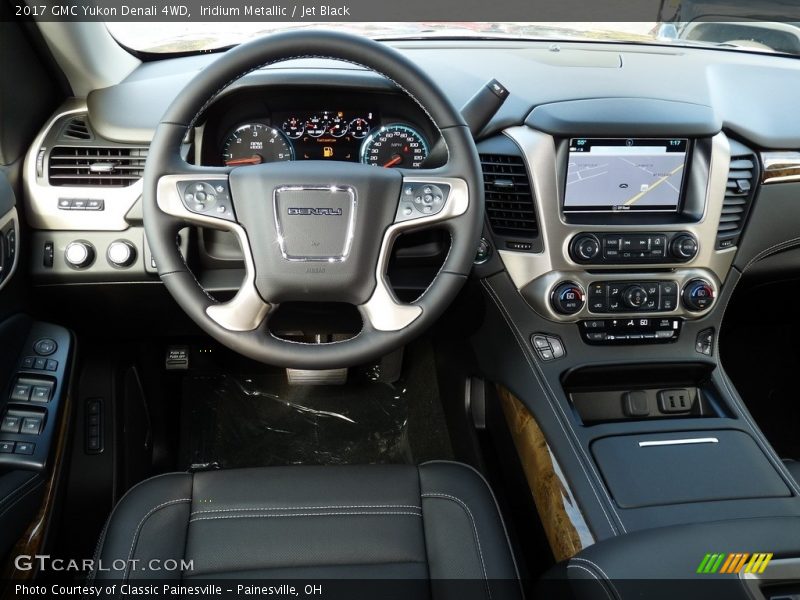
x=327, y=134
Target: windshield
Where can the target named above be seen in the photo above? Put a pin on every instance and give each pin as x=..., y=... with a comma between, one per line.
x=200, y=36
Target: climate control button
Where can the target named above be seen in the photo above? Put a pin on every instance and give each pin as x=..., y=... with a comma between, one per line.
x=635, y=296
x=698, y=295
x=568, y=298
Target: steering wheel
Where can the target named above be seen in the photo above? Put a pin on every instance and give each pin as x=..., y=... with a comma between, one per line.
x=312, y=230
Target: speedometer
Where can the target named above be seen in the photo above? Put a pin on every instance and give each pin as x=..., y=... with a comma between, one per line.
x=256, y=143
x=395, y=146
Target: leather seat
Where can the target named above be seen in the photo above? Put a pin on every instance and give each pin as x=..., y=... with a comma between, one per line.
x=437, y=521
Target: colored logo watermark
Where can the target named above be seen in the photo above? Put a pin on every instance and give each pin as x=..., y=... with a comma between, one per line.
x=734, y=562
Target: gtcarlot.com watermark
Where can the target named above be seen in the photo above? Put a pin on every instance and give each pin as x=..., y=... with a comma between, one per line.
x=44, y=563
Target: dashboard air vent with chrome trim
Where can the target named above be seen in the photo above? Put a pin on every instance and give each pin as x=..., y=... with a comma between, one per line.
x=739, y=192
x=509, y=199
x=95, y=166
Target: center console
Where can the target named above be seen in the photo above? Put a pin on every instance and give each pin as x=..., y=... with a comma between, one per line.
x=605, y=327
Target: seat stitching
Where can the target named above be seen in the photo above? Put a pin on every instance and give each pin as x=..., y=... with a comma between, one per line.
x=474, y=530
x=594, y=576
x=151, y=512
x=496, y=505
x=101, y=541
x=572, y=442
x=222, y=510
x=599, y=570
x=325, y=514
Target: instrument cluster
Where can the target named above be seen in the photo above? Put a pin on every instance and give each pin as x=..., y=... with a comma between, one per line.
x=325, y=135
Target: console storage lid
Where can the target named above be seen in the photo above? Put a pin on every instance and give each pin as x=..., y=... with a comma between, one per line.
x=684, y=467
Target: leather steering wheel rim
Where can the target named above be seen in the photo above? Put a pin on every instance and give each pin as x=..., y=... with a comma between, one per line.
x=242, y=324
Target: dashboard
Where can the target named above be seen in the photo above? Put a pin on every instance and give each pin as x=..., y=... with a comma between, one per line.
x=611, y=196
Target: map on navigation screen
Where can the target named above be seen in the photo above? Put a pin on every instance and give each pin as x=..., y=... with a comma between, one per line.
x=625, y=174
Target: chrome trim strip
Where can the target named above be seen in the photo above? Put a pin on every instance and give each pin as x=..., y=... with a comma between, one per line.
x=683, y=442
x=246, y=310
x=348, y=242
x=41, y=199
x=383, y=310
x=782, y=569
x=780, y=167
x=11, y=217
x=536, y=274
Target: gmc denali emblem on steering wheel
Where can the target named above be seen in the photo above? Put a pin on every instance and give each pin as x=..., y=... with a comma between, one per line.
x=322, y=212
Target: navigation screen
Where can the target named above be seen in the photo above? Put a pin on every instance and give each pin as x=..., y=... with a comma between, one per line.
x=625, y=174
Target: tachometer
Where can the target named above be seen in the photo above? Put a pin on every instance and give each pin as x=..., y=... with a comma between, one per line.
x=256, y=143
x=395, y=146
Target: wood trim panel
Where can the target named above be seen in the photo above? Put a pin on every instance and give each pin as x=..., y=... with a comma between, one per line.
x=780, y=167
x=562, y=519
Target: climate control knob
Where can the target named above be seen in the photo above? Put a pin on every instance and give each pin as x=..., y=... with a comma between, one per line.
x=684, y=246
x=634, y=296
x=568, y=298
x=698, y=295
x=79, y=255
x=585, y=247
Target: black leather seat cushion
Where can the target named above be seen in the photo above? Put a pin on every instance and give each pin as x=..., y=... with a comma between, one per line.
x=438, y=521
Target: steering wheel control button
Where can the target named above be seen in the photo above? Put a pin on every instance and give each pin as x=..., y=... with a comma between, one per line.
x=121, y=254
x=421, y=200
x=45, y=347
x=548, y=347
x=211, y=198
x=79, y=255
x=568, y=298
x=698, y=295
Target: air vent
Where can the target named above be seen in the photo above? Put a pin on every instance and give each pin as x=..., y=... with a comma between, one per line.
x=77, y=128
x=739, y=192
x=509, y=200
x=93, y=166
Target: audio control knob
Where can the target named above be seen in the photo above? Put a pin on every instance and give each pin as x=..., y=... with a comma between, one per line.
x=684, y=246
x=585, y=247
x=568, y=298
x=79, y=255
x=634, y=296
x=698, y=295
x=121, y=254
